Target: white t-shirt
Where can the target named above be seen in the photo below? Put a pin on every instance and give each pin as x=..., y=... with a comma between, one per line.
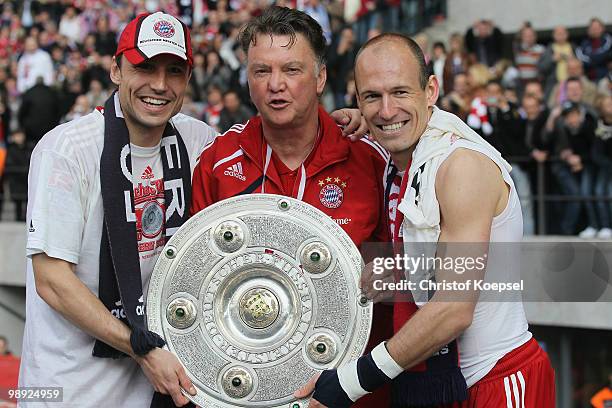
x=64, y=221
x=149, y=206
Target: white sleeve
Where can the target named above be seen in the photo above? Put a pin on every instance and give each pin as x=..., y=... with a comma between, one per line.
x=55, y=210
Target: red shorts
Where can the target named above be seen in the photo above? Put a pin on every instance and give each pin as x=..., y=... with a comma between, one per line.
x=523, y=378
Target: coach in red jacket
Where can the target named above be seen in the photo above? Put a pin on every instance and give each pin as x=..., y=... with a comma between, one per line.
x=293, y=147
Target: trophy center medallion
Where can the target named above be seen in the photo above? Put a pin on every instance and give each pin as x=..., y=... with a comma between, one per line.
x=259, y=308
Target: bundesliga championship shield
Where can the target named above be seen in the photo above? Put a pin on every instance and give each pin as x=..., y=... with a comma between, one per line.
x=255, y=295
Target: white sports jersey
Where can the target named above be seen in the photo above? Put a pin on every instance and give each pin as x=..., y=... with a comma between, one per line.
x=65, y=221
x=497, y=327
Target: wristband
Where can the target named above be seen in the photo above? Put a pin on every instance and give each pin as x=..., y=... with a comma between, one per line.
x=143, y=341
x=340, y=388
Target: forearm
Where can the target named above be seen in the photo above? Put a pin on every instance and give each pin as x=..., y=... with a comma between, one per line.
x=59, y=287
x=435, y=325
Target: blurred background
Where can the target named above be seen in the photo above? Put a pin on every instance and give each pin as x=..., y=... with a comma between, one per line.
x=533, y=78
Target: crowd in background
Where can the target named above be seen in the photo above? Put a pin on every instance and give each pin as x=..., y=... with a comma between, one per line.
x=536, y=104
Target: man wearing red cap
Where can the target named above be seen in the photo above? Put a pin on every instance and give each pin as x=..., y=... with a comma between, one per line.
x=107, y=190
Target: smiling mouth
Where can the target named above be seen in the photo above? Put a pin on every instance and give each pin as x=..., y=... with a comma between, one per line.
x=154, y=101
x=393, y=126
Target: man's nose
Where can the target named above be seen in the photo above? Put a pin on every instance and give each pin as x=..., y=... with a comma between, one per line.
x=276, y=82
x=388, y=108
x=159, y=81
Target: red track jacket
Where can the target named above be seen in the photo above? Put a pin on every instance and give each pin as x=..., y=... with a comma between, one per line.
x=343, y=178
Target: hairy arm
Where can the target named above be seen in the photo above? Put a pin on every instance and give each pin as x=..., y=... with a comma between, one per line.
x=470, y=191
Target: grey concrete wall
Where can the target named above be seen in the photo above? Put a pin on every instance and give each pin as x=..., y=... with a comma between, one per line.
x=543, y=14
x=12, y=316
x=12, y=253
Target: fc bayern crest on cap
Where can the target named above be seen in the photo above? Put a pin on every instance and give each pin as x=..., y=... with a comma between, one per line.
x=331, y=196
x=164, y=29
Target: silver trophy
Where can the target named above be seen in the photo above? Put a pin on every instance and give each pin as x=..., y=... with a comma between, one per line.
x=255, y=295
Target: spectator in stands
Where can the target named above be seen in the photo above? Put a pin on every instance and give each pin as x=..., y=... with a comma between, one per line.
x=459, y=99
x=604, y=86
x=233, y=111
x=106, y=40
x=559, y=93
x=217, y=74
x=456, y=62
x=34, y=63
x=96, y=95
x=484, y=42
x=391, y=15
x=534, y=89
x=39, y=111
x=553, y=63
x=572, y=141
x=198, y=76
x=18, y=160
x=367, y=19
x=437, y=63
x=595, y=52
x=191, y=107
x=340, y=61
x=527, y=55
x=70, y=26
x=602, y=157
x=94, y=68
x=82, y=106
x=478, y=78
x=501, y=119
x=532, y=124
x=316, y=9
x=212, y=112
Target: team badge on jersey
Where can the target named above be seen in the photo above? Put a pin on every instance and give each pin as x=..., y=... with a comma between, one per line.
x=164, y=29
x=332, y=193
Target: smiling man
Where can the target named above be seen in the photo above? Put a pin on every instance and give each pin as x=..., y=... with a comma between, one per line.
x=107, y=190
x=293, y=147
x=453, y=192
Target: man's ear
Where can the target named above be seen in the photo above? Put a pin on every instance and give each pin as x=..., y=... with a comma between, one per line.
x=115, y=72
x=432, y=90
x=321, y=79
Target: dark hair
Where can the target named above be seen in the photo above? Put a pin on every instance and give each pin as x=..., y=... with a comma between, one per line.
x=414, y=48
x=231, y=91
x=573, y=79
x=439, y=44
x=277, y=20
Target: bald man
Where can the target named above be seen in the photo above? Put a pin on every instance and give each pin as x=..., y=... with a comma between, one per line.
x=451, y=188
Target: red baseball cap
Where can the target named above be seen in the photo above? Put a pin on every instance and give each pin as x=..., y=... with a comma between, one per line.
x=149, y=35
